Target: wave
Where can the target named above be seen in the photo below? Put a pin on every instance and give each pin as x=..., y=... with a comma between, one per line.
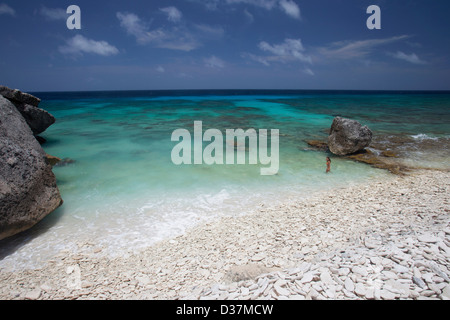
x=423, y=136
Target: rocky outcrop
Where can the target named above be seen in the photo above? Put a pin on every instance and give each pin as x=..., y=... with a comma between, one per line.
x=19, y=96
x=37, y=119
x=348, y=136
x=28, y=190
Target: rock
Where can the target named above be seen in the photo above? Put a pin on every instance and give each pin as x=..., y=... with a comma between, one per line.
x=33, y=295
x=258, y=257
x=281, y=291
x=245, y=272
x=370, y=293
x=387, y=295
x=317, y=144
x=64, y=162
x=360, y=270
x=28, y=190
x=349, y=286
x=348, y=136
x=325, y=277
x=419, y=282
x=360, y=290
x=400, y=269
x=307, y=277
x=19, y=96
x=45, y=287
x=52, y=160
x=429, y=238
x=446, y=293
x=38, y=119
x=433, y=266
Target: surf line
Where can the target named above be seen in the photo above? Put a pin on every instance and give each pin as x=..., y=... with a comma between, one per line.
x=235, y=141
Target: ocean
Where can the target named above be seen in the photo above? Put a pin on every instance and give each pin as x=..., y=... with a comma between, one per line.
x=122, y=192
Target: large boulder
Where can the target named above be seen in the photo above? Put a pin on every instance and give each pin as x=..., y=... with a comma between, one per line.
x=38, y=119
x=28, y=190
x=19, y=96
x=348, y=136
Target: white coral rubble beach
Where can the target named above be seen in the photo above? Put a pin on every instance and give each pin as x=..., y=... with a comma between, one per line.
x=384, y=240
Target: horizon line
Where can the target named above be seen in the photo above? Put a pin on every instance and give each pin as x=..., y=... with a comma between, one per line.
x=247, y=89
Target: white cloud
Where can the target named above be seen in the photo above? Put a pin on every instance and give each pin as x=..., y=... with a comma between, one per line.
x=266, y=4
x=175, y=38
x=210, y=31
x=249, y=16
x=308, y=71
x=160, y=69
x=290, y=8
x=173, y=14
x=5, y=9
x=54, y=13
x=211, y=5
x=289, y=50
x=79, y=45
x=411, y=58
x=260, y=59
x=134, y=26
x=214, y=62
x=355, y=49
x=287, y=6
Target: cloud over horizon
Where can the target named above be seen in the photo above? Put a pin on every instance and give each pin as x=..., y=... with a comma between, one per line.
x=53, y=14
x=5, y=9
x=411, y=58
x=79, y=45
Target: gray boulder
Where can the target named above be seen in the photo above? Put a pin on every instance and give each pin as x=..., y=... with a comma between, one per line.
x=28, y=190
x=348, y=136
x=19, y=96
x=38, y=119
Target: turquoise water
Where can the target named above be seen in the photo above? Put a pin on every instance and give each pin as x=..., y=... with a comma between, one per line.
x=121, y=190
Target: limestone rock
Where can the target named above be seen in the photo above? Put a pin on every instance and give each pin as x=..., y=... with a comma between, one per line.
x=246, y=272
x=38, y=119
x=28, y=190
x=19, y=96
x=348, y=136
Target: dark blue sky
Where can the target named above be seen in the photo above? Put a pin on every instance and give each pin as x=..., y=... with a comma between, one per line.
x=225, y=44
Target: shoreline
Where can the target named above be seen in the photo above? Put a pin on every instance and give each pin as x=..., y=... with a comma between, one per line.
x=384, y=240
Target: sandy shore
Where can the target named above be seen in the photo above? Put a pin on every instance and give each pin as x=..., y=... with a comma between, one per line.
x=384, y=240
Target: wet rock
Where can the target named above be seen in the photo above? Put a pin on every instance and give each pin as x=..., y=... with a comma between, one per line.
x=348, y=136
x=65, y=162
x=52, y=160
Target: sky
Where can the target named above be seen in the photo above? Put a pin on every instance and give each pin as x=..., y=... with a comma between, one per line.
x=225, y=44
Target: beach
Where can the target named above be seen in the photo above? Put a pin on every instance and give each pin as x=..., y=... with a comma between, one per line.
x=387, y=239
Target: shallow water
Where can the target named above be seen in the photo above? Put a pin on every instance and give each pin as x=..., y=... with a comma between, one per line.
x=123, y=192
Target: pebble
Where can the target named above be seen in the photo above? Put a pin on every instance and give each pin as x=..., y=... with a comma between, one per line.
x=400, y=269
x=33, y=295
x=428, y=238
x=419, y=282
x=349, y=285
x=360, y=289
x=305, y=250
